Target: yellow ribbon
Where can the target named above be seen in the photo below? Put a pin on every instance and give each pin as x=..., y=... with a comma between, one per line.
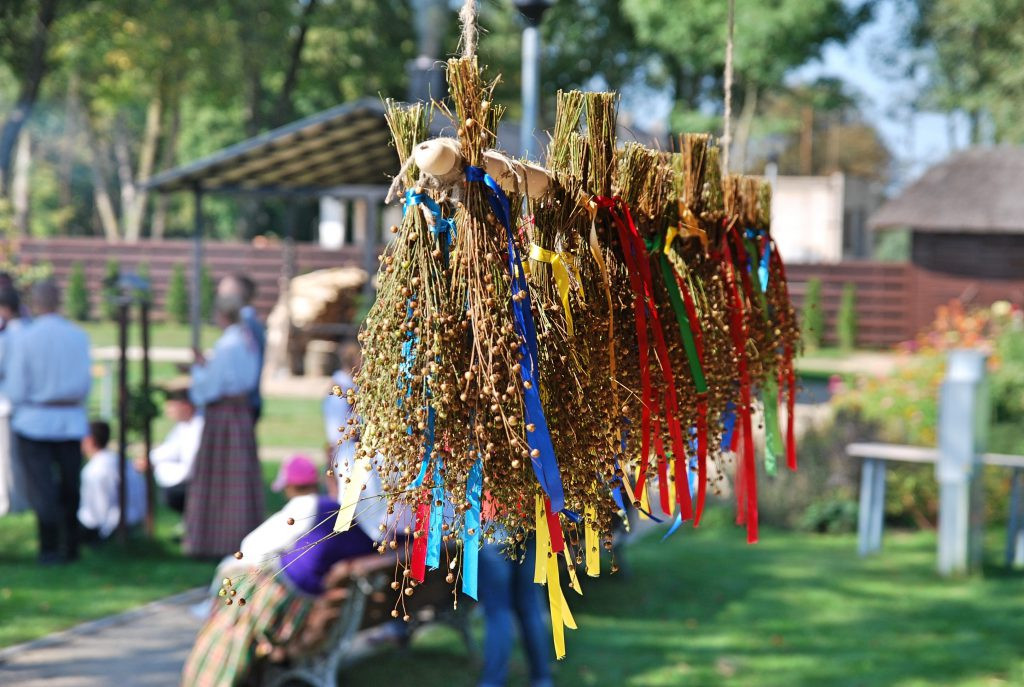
x=546, y=572
x=670, y=236
x=590, y=541
x=561, y=264
x=689, y=227
x=353, y=492
x=540, y=567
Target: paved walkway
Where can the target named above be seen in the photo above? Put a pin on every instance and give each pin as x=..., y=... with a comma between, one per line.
x=144, y=647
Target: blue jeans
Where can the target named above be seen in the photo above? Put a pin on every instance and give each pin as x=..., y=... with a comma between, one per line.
x=508, y=593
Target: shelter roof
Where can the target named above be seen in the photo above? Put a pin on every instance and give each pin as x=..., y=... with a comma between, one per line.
x=347, y=145
x=975, y=191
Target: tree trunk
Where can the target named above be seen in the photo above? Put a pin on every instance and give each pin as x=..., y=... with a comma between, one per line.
x=807, y=140
x=135, y=210
x=285, y=110
x=105, y=209
x=66, y=163
x=20, y=199
x=28, y=93
x=167, y=160
x=745, y=124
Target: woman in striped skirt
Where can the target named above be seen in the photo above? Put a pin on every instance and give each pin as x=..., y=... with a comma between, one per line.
x=225, y=495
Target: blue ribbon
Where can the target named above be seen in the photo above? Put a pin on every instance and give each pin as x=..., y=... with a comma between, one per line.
x=471, y=524
x=728, y=425
x=545, y=466
x=436, y=514
x=765, y=258
x=443, y=228
x=692, y=484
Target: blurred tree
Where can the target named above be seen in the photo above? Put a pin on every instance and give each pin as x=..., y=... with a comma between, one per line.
x=24, y=40
x=176, y=301
x=688, y=39
x=971, y=54
x=78, y=294
x=110, y=290
x=818, y=128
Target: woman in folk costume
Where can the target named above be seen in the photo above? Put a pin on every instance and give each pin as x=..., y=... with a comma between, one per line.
x=270, y=591
x=225, y=496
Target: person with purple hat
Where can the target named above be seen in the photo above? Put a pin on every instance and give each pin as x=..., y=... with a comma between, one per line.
x=278, y=573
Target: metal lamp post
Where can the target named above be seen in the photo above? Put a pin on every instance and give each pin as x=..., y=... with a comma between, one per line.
x=532, y=11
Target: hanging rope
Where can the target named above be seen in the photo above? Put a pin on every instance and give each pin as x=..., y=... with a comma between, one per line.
x=467, y=16
x=727, y=129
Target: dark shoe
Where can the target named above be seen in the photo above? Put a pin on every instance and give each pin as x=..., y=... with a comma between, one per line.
x=51, y=558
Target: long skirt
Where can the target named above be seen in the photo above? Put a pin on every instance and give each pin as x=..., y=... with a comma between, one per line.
x=12, y=483
x=225, y=495
x=234, y=636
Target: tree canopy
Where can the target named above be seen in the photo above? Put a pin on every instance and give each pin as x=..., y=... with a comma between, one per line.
x=98, y=95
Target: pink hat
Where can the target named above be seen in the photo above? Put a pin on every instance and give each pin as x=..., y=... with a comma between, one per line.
x=298, y=470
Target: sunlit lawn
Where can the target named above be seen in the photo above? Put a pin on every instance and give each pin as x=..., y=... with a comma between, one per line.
x=797, y=609
x=36, y=601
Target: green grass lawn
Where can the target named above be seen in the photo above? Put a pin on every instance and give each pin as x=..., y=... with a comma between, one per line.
x=161, y=334
x=36, y=601
x=797, y=609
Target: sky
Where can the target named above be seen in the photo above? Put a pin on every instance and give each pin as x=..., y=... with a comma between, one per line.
x=916, y=140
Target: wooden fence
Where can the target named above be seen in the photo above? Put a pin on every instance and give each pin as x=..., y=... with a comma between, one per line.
x=894, y=300
x=263, y=264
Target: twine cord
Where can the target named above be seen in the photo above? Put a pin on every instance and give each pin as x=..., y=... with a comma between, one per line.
x=727, y=129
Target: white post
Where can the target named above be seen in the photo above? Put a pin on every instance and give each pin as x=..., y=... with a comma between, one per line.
x=963, y=419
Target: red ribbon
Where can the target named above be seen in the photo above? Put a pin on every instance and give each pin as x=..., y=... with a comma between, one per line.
x=702, y=402
x=554, y=528
x=639, y=270
x=418, y=570
x=746, y=471
x=788, y=366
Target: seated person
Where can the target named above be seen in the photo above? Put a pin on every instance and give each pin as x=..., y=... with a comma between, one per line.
x=99, y=511
x=278, y=577
x=172, y=460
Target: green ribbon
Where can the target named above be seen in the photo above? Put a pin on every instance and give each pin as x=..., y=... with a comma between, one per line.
x=679, y=308
x=773, y=447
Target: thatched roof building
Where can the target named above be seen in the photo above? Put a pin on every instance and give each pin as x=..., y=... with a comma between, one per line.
x=980, y=190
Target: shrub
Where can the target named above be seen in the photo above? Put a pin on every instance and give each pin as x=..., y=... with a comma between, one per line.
x=812, y=318
x=143, y=272
x=904, y=407
x=109, y=292
x=830, y=516
x=177, y=301
x=78, y=294
x=846, y=322
x=207, y=294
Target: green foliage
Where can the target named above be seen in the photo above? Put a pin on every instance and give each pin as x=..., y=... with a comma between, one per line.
x=109, y=291
x=846, y=321
x=904, y=407
x=77, y=298
x=970, y=49
x=142, y=408
x=207, y=294
x=830, y=516
x=177, y=300
x=687, y=39
x=892, y=245
x=812, y=318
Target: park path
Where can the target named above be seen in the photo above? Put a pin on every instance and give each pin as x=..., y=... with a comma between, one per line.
x=144, y=647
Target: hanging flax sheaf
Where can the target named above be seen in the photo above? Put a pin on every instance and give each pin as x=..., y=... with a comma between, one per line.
x=551, y=346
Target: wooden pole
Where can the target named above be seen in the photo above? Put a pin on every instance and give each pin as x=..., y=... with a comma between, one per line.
x=963, y=418
x=122, y=416
x=147, y=425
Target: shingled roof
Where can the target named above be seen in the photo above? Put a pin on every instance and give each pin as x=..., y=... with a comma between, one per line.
x=979, y=191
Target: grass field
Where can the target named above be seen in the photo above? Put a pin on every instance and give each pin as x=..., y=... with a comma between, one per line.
x=161, y=334
x=706, y=609
x=36, y=601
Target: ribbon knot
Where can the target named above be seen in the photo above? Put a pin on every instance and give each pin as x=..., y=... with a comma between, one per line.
x=562, y=265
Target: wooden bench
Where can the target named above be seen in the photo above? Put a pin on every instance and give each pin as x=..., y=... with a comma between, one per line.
x=872, y=492
x=358, y=597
